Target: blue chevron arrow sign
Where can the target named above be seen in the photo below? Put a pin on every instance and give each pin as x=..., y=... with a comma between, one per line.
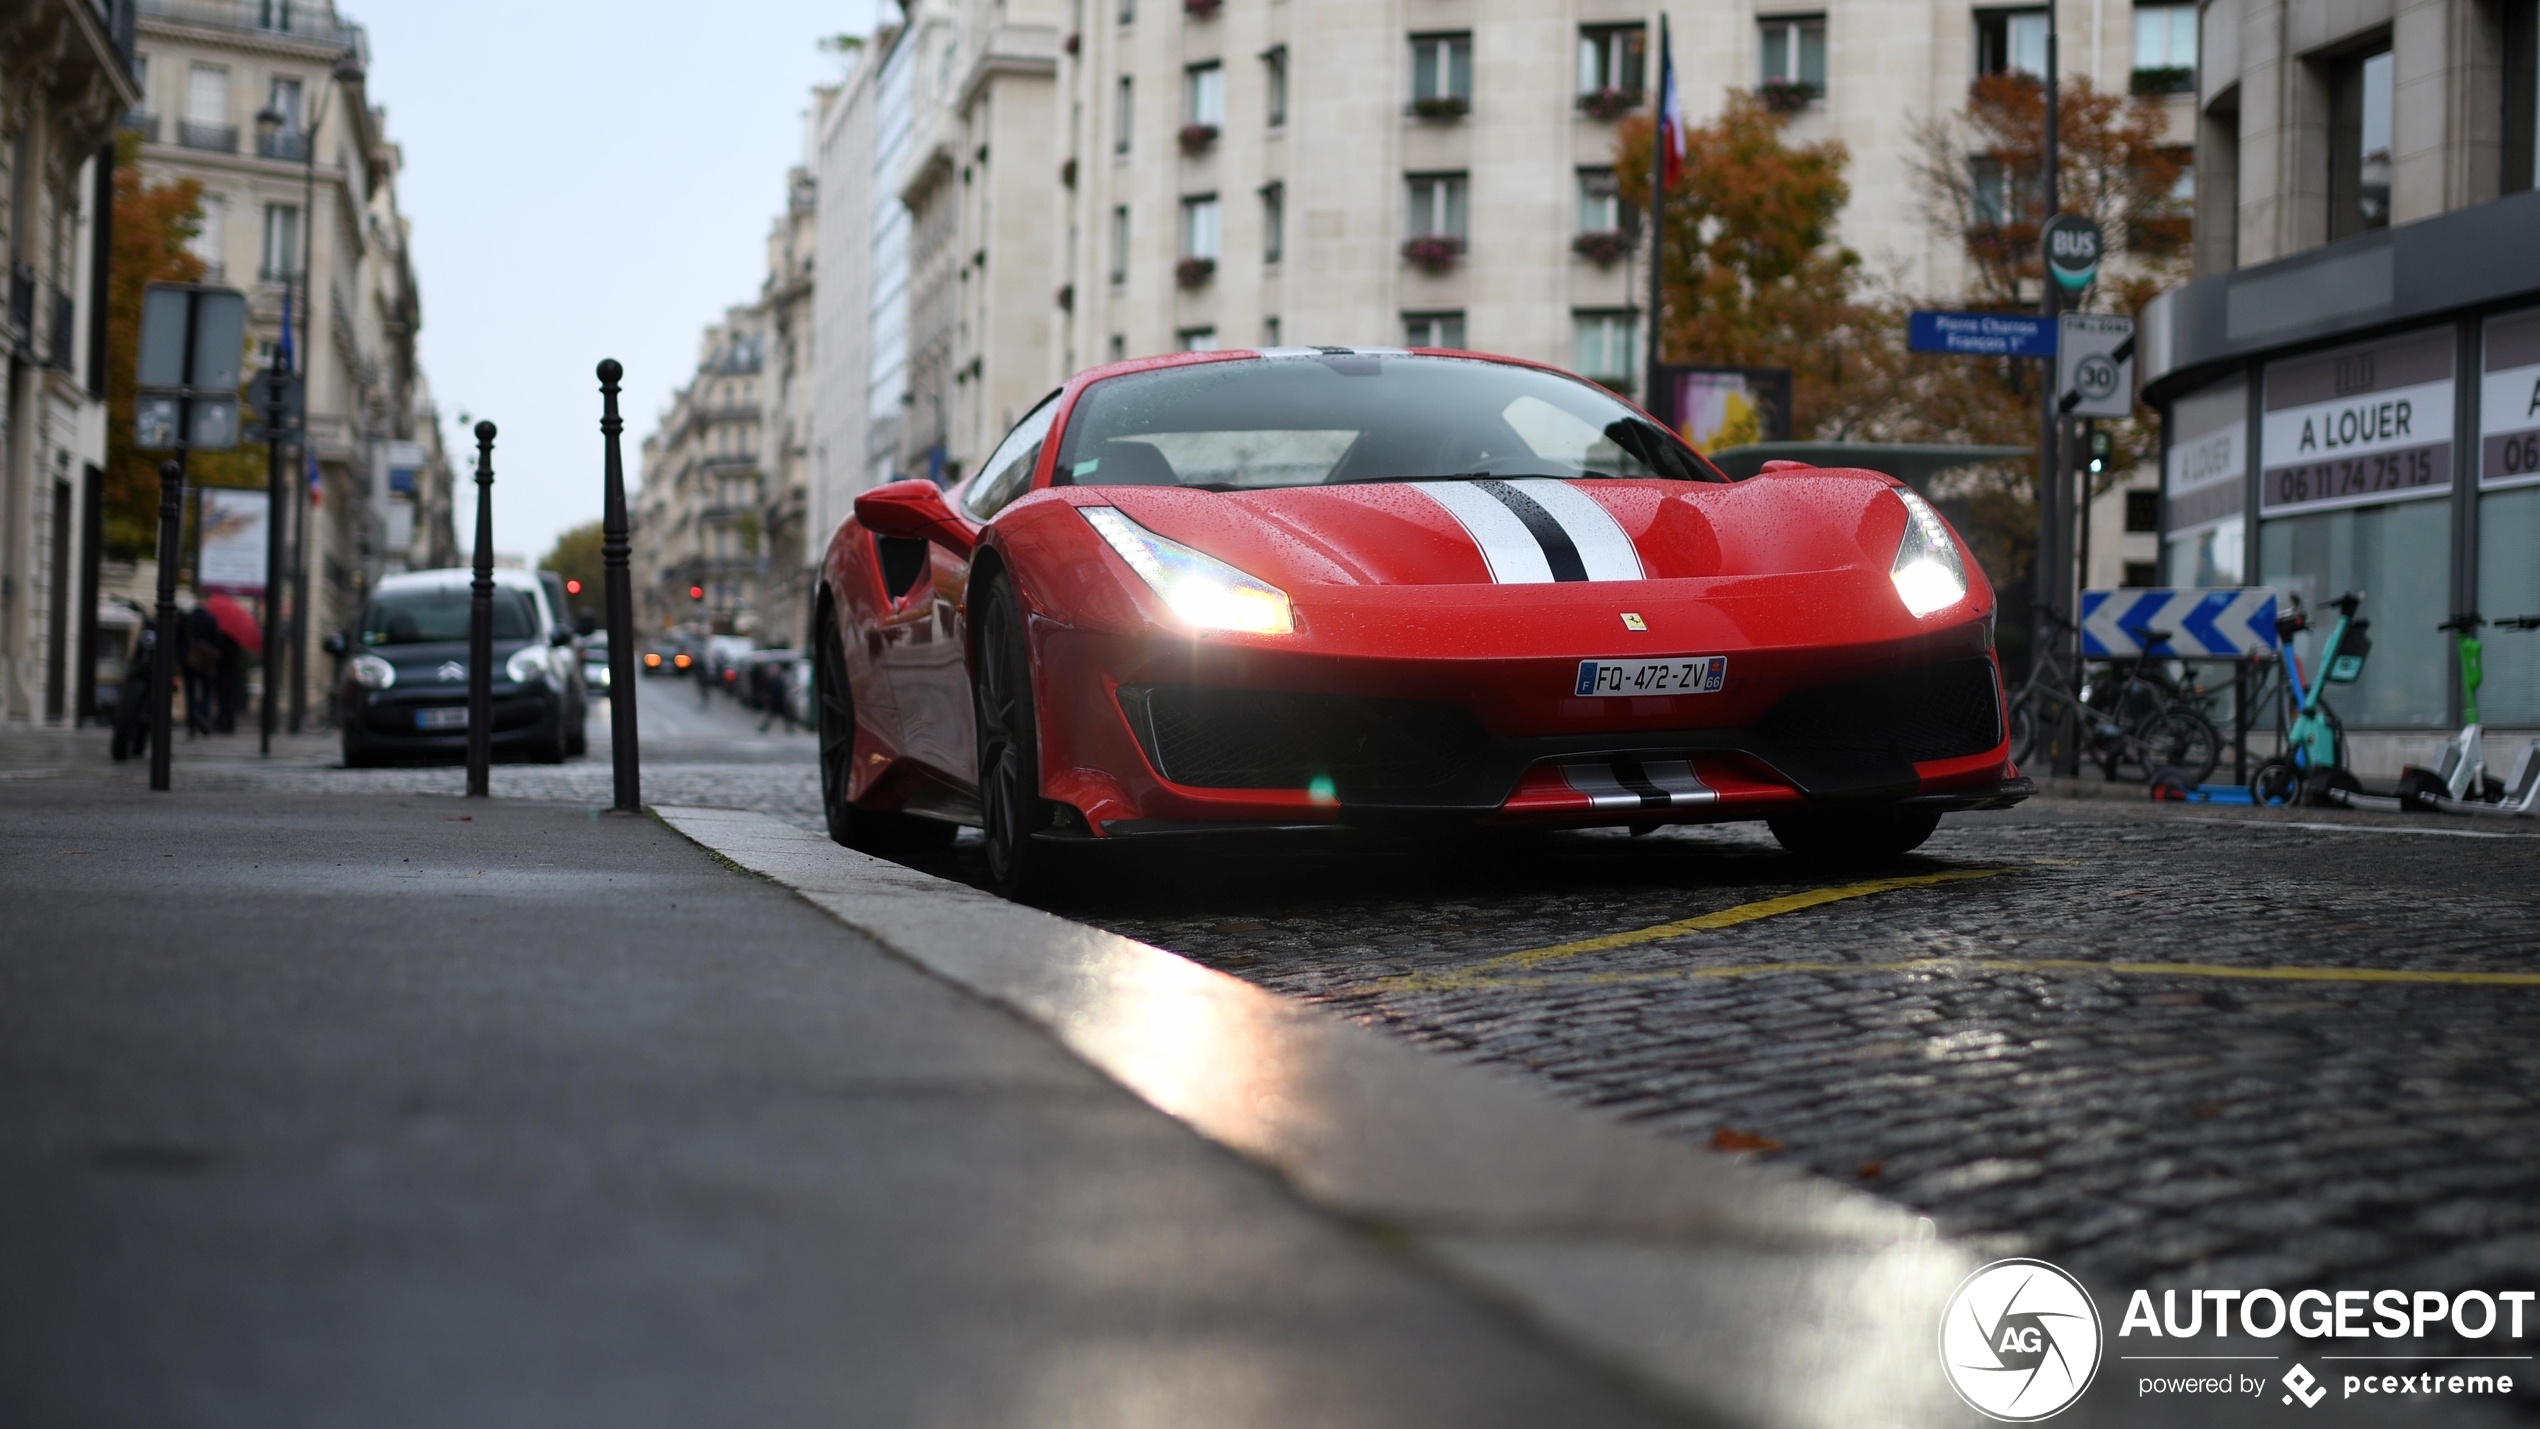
x=2221, y=624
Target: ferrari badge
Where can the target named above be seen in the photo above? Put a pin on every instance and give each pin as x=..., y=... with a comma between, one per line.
x=1632, y=621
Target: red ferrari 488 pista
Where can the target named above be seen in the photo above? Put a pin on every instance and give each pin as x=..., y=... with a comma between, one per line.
x=1304, y=590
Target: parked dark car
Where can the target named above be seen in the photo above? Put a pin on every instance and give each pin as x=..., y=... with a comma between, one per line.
x=404, y=690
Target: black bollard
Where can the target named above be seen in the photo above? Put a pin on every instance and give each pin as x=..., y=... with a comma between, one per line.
x=480, y=627
x=274, y=492
x=614, y=547
x=163, y=659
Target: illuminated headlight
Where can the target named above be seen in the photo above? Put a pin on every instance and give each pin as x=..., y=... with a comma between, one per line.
x=527, y=666
x=1202, y=589
x=1928, y=573
x=372, y=673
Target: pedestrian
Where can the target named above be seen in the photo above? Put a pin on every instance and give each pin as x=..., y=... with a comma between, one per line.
x=229, y=685
x=198, y=642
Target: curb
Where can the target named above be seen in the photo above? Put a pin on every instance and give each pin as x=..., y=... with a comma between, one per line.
x=1753, y=1294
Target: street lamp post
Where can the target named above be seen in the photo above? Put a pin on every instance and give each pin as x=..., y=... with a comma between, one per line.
x=271, y=123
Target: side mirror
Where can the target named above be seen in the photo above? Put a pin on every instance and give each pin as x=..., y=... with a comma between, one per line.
x=337, y=645
x=914, y=510
x=560, y=636
x=585, y=623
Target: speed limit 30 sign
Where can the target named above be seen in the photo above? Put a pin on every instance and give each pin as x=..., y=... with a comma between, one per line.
x=2094, y=365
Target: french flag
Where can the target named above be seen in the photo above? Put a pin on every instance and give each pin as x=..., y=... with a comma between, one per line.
x=1671, y=110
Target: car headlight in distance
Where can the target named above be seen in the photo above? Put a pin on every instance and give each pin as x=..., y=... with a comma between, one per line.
x=372, y=673
x=1202, y=589
x=1927, y=573
x=528, y=665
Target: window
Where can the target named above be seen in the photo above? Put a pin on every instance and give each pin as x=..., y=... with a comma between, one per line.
x=1610, y=59
x=207, y=95
x=1605, y=346
x=1433, y=330
x=2001, y=193
x=1600, y=202
x=2400, y=554
x=1441, y=69
x=210, y=243
x=282, y=242
x=2164, y=49
x=1437, y=206
x=2142, y=512
x=1118, y=349
x=1196, y=339
x=1199, y=226
x=1128, y=11
x=2141, y=575
x=1122, y=114
x=1276, y=60
x=1274, y=222
x=2011, y=42
x=1007, y=472
x=283, y=98
x=1204, y=88
x=1794, y=55
x=2522, y=97
x=1120, y=244
x=2359, y=144
x=1270, y=331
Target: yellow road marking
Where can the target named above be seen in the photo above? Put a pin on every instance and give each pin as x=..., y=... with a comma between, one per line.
x=1482, y=973
x=1985, y=965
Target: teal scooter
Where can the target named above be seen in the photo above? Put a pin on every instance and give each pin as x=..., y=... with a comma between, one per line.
x=2460, y=783
x=2312, y=768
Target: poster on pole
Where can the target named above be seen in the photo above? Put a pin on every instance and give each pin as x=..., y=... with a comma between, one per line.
x=1715, y=407
x=231, y=557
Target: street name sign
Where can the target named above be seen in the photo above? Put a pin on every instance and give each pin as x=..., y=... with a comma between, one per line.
x=1981, y=334
x=2222, y=624
x=2071, y=242
x=2094, y=365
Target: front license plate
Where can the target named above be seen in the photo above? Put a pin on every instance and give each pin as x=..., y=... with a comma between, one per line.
x=1684, y=675
x=442, y=719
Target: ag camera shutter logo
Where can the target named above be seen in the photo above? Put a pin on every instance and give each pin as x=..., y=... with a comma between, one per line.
x=2020, y=1341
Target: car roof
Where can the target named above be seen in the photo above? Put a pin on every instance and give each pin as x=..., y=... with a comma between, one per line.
x=453, y=575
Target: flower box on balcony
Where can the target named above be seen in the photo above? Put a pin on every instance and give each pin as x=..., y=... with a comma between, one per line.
x=1442, y=106
x=1200, y=9
x=1194, y=272
x=1786, y=96
x=1434, y=252
x=1196, y=138
x=1602, y=247
x=1609, y=104
x=2164, y=79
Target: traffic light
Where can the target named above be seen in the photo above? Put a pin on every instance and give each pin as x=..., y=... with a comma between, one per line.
x=2101, y=445
x=697, y=593
x=573, y=587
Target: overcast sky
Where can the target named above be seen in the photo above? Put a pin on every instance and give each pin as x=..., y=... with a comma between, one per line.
x=585, y=180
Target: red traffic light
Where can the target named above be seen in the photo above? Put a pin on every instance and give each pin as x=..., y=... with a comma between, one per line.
x=696, y=592
x=573, y=587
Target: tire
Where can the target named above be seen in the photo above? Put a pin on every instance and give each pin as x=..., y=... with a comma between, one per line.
x=552, y=749
x=1869, y=836
x=2419, y=789
x=2184, y=741
x=2275, y=784
x=882, y=833
x=1010, y=803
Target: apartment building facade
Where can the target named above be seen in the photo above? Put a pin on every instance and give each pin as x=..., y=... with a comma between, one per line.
x=264, y=104
x=65, y=75
x=2351, y=386
x=700, y=557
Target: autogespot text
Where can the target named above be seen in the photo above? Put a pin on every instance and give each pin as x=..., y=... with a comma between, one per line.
x=2466, y=1318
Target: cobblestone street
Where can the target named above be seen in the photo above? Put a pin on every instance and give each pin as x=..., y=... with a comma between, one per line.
x=2157, y=1046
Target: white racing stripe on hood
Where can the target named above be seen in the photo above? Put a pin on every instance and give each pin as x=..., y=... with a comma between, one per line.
x=1603, y=548
x=1517, y=552
x=1514, y=555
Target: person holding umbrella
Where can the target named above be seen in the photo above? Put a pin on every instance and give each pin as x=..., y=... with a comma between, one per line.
x=240, y=634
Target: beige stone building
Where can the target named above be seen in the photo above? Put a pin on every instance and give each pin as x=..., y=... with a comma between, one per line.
x=65, y=74
x=697, y=518
x=786, y=299
x=264, y=104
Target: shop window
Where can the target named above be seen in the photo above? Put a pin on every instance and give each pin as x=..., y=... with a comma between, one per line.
x=2400, y=556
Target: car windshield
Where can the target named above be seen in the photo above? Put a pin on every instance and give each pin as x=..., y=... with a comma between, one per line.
x=1254, y=423
x=438, y=613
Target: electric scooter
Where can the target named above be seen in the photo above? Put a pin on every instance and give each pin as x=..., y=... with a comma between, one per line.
x=2312, y=768
x=2460, y=783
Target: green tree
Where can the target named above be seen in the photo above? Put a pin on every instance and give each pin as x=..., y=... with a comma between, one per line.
x=576, y=557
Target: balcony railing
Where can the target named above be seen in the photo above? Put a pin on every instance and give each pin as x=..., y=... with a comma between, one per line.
x=310, y=20
x=285, y=273
x=212, y=138
x=145, y=125
x=291, y=144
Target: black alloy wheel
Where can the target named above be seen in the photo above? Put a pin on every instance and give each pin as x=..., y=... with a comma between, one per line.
x=1010, y=801
x=1868, y=836
x=884, y=833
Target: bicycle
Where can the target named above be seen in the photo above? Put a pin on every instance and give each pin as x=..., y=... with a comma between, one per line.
x=2141, y=720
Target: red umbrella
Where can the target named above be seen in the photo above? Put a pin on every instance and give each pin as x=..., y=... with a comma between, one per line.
x=235, y=622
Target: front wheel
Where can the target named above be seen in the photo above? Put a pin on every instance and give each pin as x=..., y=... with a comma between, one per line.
x=1869, y=836
x=2183, y=742
x=2024, y=725
x=2275, y=783
x=1019, y=865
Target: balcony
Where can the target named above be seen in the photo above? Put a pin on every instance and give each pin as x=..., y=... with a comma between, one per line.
x=286, y=273
x=309, y=21
x=145, y=125
x=211, y=138
x=289, y=144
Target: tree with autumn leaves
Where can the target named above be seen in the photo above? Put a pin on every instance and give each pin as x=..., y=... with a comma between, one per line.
x=1754, y=275
x=153, y=226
